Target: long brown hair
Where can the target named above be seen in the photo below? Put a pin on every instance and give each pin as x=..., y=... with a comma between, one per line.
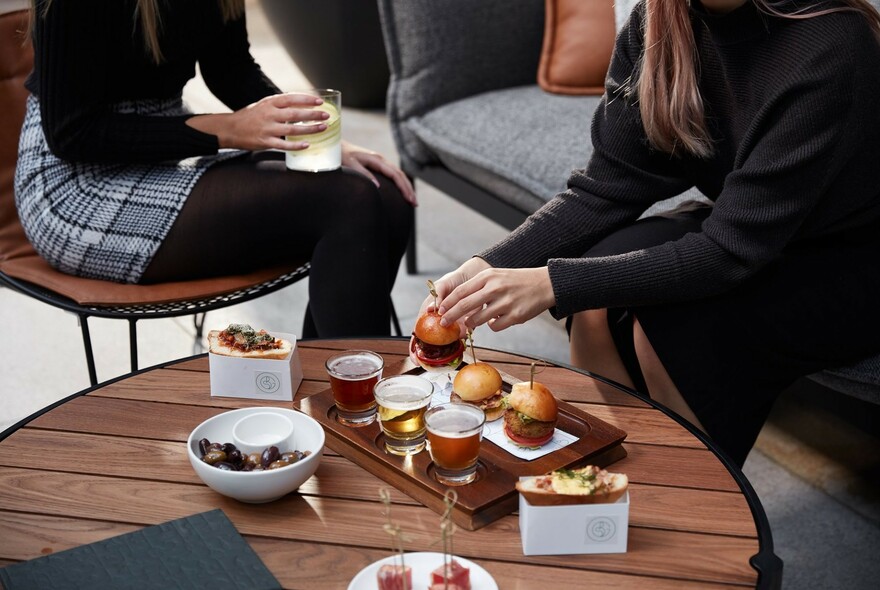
x=146, y=15
x=669, y=98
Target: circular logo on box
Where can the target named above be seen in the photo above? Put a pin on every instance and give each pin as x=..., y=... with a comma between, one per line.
x=268, y=382
x=601, y=529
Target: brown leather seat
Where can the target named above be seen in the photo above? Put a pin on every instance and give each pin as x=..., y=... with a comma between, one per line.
x=20, y=262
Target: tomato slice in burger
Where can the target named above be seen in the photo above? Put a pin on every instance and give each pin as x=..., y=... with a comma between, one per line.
x=413, y=349
x=525, y=441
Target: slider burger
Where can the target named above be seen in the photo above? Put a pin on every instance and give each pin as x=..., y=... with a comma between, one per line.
x=588, y=485
x=435, y=346
x=240, y=340
x=531, y=414
x=479, y=384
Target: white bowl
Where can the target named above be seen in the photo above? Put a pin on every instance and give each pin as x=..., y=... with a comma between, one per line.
x=257, y=486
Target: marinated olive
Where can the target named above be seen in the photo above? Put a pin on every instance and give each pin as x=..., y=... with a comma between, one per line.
x=227, y=457
x=235, y=457
x=270, y=455
x=213, y=457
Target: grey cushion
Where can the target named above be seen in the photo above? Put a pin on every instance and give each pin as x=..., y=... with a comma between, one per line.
x=442, y=51
x=519, y=143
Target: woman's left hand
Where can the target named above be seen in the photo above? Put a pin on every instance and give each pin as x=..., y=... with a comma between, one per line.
x=365, y=161
x=499, y=297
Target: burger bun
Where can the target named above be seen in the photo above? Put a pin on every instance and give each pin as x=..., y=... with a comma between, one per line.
x=477, y=381
x=429, y=330
x=536, y=402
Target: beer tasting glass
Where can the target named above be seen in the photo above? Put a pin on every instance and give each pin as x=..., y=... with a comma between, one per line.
x=325, y=148
x=403, y=400
x=353, y=374
x=454, y=434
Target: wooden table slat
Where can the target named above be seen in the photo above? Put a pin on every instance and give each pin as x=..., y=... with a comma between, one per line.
x=716, y=512
x=722, y=558
x=295, y=564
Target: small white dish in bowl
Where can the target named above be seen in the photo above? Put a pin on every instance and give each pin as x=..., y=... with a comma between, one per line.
x=254, y=432
x=257, y=486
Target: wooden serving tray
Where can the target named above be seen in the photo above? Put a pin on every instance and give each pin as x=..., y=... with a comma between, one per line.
x=493, y=494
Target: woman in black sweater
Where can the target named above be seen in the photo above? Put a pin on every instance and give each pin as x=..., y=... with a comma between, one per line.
x=769, y=110
x=118, y=180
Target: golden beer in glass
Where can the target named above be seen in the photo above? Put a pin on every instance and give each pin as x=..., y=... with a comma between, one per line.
x=402, y=401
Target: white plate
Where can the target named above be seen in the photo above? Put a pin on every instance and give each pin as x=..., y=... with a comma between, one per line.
x=422, y=565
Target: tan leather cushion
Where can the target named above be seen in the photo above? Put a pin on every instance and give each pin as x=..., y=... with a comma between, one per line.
x=578, y=41
x=18, y=259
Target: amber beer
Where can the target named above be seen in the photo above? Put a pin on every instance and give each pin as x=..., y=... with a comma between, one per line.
x=454, y=434
x=353, y=375
x=402, y=401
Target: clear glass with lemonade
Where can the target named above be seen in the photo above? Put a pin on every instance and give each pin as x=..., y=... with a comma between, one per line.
x=325, y=148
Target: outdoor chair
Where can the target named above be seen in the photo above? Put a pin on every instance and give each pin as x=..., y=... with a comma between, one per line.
x=24, y=271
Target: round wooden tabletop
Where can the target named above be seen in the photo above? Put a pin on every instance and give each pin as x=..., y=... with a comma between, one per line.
x=113, y=459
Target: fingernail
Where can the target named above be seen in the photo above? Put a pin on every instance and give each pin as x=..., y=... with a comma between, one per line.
x=441, y=311
x=444, y=322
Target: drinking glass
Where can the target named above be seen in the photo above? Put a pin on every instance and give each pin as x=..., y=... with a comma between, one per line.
x=403, y=400
x=353, y=374
x=454, y=434
x=325, y=148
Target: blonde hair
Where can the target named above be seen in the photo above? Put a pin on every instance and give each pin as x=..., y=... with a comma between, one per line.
x=670, y=103
x=146, y=15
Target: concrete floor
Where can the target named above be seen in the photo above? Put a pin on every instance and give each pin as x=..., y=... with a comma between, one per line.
x=814, y=468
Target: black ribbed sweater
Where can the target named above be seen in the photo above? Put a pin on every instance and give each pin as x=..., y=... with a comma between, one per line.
x=794, y=109
x=89, y=55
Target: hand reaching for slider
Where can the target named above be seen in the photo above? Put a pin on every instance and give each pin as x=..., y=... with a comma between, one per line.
x=498, y=297
x=446, y=284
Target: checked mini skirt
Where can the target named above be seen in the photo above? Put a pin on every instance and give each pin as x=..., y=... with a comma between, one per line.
x=101, y=220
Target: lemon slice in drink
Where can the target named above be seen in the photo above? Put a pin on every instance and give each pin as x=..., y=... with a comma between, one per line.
x=331, y=110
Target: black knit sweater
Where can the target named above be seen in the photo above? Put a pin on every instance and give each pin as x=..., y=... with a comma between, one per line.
x=89, y=54
x=793, y=110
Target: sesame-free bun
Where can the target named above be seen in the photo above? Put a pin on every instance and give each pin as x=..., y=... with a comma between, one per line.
x=536, y=402
x=476, y=382
x=429, y=330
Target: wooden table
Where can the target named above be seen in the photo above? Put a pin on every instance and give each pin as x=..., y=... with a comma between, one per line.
x=112, y=459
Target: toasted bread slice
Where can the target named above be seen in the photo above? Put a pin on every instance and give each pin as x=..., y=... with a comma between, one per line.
x=588, y=485
x=215, y=346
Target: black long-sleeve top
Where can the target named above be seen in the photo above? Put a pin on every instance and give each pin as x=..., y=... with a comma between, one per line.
x=792, y=107
x=90, y=54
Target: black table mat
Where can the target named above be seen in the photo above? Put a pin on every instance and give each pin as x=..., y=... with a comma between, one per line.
x=199, y=551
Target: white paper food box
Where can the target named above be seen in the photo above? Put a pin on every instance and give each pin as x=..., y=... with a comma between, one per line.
x=579, y=528
x=256, y=378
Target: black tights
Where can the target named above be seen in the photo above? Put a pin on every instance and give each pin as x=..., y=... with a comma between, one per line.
x=251, y=213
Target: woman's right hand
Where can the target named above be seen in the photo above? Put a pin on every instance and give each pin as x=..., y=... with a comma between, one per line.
x=266, y=123
x=448, y=282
